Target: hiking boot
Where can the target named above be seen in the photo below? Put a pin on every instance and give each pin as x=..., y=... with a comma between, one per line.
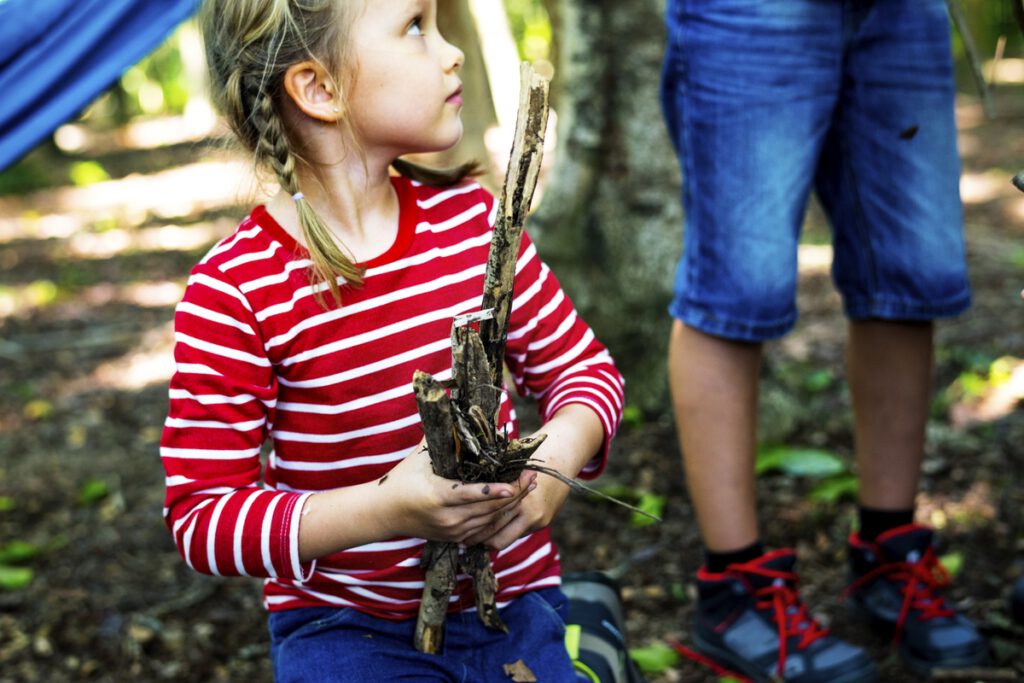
x=896, y=587
x=751, y=620
x=595, y=632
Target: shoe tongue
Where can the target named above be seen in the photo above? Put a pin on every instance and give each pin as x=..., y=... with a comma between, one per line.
x=777, y=561
x=908, y=545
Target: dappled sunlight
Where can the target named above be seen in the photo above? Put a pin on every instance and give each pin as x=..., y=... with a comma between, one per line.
x=198, y=123
x=973, y=509
x=164, y=238
x=815, y=259
x=986, y=399
x=985, y=186
x=43, y=293
x=149, y=362
x=1007, y=71
x=176, y=193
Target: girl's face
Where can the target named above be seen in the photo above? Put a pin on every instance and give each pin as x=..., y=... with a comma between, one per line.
x=405, y=97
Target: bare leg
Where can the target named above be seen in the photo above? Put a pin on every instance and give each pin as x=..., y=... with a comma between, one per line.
x=714, y=385
x=889, y=367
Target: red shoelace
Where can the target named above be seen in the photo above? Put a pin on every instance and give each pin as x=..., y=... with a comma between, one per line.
x=791, y=617
x=789, y=613
x=920, y=581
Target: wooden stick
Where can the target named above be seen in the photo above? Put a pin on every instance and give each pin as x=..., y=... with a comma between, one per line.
x=438, y=559
x=461, y=432
x=516, y=195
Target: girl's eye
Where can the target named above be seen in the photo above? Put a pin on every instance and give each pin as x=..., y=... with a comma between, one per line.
x=416, y=27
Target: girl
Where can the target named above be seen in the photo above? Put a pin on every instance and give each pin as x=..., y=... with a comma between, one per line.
x=304, y=328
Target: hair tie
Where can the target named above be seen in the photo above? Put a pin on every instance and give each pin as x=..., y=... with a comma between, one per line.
x=298, y=196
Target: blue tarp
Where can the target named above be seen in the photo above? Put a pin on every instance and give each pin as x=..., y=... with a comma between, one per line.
x=56, y=56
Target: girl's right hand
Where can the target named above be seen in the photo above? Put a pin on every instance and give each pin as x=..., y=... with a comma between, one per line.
x=425, y=505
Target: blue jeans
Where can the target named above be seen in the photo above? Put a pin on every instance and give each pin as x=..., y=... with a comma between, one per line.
x=765, y=99
x=319, y=645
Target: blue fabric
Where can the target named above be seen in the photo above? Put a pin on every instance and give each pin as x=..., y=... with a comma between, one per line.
x=56, y=56
x=341, y=645
x=767, y=99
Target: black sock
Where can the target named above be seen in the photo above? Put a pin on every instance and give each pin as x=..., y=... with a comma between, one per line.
x=717, y=562
x=874, y=522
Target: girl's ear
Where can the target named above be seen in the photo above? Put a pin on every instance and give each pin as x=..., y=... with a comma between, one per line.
x=313, y=91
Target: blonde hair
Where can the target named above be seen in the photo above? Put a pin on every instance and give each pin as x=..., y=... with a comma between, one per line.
x=250, y=44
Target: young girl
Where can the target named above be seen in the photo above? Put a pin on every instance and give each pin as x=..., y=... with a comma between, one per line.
x=305, y=326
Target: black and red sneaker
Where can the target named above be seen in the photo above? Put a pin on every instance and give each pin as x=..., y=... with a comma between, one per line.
x=750, y=619
x=896, y=586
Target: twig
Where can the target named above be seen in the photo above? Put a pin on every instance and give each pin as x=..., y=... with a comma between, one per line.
x=516, y=195
x=960, y=20
x=580, y=487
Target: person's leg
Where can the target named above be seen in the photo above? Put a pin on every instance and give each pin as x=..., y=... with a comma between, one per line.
x=889, y=181
x=341, y=645
x=748, y=124
x=714, y=384
x=889, y=369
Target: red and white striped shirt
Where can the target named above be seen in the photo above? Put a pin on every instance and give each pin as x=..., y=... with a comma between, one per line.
x=258, y=357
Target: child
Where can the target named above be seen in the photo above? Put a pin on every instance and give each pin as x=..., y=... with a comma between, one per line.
x=305, y=327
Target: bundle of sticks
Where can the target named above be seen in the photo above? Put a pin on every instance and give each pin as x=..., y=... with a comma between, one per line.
x=461, y=428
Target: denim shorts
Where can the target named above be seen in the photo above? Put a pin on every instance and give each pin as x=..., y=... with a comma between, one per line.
x=765, y=99
x=331, y=645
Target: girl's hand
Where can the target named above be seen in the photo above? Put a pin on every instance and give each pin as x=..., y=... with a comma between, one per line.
x=535, y=512
x=424, y=505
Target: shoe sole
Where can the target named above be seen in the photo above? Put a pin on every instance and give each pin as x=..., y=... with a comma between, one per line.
x=866, y=674
x=922, y=667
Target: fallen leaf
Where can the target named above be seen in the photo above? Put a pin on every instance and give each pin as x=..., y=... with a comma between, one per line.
x=519, y=672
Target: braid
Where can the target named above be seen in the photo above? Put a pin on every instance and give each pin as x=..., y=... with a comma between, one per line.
x=329, y=260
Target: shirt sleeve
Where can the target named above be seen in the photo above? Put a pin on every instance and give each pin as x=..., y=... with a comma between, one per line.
x=222, y=400
x=554, y=356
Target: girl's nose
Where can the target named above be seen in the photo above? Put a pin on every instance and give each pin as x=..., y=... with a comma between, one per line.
x=454, y=57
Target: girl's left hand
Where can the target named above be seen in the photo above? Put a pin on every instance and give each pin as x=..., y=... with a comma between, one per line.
x=536, y=511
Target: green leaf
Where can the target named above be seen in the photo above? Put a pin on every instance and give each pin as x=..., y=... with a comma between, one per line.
x=953, y=562
x=6, y=503
x=622, y=492
x=834, y=489
x=818, y=381
x=93, y=491
x=632, y=417
x=650, y=503
x=16, y=552
x=654, y=659
x=799, y=462
x=13, y=578
x=84, y=173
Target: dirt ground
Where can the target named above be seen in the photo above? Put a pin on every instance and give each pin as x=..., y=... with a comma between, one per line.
x=88, y=281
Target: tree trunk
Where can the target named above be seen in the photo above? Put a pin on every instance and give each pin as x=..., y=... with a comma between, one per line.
x=610, y=222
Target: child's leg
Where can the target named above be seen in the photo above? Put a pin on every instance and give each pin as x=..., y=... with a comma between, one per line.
x=330, y=645
x=536, y=635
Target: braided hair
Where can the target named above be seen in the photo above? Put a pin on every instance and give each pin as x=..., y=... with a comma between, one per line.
x=250, y=44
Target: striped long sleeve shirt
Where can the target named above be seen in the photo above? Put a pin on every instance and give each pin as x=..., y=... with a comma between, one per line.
x=260, y=360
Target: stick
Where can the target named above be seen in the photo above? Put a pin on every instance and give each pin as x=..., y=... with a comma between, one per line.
x=957, y=13
x=516, y=195
x=439, y=559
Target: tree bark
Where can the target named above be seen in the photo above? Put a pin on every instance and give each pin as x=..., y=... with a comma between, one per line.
x=610, y=222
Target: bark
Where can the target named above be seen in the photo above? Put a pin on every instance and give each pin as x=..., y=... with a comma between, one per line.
x=461, y=432
x=610, y=222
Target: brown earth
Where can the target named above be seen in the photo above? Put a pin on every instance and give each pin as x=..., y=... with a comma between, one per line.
x=84, y=336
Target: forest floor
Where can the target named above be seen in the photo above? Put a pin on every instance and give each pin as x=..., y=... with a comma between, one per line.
x=94, y=590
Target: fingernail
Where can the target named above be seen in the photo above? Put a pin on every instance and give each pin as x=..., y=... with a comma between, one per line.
x=532, y=487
